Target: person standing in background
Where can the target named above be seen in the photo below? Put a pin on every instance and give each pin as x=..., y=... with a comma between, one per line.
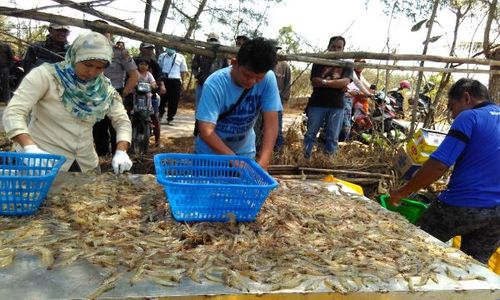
x=204, y=66
x=6, y=63
x=52, y=50
x=283, y=75
x=358, y=89
x=174, y=70
x=326, y=104
x=121, y=65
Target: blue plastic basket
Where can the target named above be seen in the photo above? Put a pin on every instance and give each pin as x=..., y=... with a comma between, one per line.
x=203, y=187
x=25, y=180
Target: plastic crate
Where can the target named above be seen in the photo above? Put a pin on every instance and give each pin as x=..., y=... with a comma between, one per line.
x=25, y=180
x=203, y=187
x=410, y=209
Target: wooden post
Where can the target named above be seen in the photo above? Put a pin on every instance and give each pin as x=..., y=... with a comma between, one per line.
x=494, y=82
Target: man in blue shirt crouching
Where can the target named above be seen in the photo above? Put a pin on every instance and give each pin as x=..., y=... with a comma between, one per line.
x=470, y=206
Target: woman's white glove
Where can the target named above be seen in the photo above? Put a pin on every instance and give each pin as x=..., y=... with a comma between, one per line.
x=121, y=162
x=33, y=149
x=36, y=162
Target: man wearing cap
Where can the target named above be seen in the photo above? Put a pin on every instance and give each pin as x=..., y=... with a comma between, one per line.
x=52, y=50
x=202, y=66
x=147, y=52
x=174, y=69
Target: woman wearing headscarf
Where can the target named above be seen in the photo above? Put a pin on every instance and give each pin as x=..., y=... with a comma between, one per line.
x=65, y=100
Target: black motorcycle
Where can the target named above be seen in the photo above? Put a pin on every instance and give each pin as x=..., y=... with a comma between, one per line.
x=141, y=119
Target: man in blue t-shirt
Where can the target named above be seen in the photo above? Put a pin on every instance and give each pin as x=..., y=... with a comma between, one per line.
x=233, y=133
x=470, y=206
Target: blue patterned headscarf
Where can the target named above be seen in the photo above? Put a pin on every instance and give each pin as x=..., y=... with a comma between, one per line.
x=87, y=100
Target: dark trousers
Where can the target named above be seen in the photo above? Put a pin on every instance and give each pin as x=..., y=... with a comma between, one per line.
x=479, y=227
x=4, y=85
x=170, y=98
x=104, y=137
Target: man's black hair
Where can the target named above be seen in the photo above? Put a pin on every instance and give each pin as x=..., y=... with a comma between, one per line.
x=258, y=54
x=335, y=38
x=475, y=88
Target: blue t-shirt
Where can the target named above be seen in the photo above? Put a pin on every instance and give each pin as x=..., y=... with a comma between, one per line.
x=473, y=145
x=220, y=92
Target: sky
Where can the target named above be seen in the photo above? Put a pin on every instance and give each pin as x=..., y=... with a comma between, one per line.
x=362, y=22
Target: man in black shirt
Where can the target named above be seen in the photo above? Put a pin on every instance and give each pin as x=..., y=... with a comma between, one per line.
x=204, y=66
x=52, y=50
x=326, y=104
x=6, y=62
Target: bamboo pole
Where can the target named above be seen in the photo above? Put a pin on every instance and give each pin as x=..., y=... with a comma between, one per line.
x=211, y=50
x=420, y=73
x=401, y=57
x=346, y=172
x=328, y=62
x=319, y=177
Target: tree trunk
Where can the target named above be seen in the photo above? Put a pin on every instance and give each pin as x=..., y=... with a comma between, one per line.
x=161, y=22
x=486, y=37
x=147, y=13
x=420, y=73
x=193, y=22
x=163, y=15
x=445, y=77
x=494, y=83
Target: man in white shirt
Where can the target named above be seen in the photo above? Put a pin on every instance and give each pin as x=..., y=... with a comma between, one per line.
x=174, y=69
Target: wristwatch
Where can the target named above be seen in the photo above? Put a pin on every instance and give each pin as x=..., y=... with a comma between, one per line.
x=323, y=82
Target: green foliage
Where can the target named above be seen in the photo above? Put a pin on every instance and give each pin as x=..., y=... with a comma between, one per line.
x=240, y=17
x=133, y=51
x=301, y=84
x=21, y=34
x=409, y=8
x=433, y=39
x=417, y=26
x=289, y=40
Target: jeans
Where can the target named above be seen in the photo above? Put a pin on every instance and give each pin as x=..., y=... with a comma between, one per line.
x=347, y=120
x=318, y=116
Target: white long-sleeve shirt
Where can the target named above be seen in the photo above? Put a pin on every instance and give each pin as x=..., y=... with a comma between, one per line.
x=51, y=126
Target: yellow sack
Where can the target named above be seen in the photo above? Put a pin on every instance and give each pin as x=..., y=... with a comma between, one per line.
x=358, y=189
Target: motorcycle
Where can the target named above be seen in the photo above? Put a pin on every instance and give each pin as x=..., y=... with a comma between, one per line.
x=141, y=118
x=384, y=115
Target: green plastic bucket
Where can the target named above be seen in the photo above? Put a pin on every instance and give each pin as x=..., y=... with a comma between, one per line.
x=410, y=209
